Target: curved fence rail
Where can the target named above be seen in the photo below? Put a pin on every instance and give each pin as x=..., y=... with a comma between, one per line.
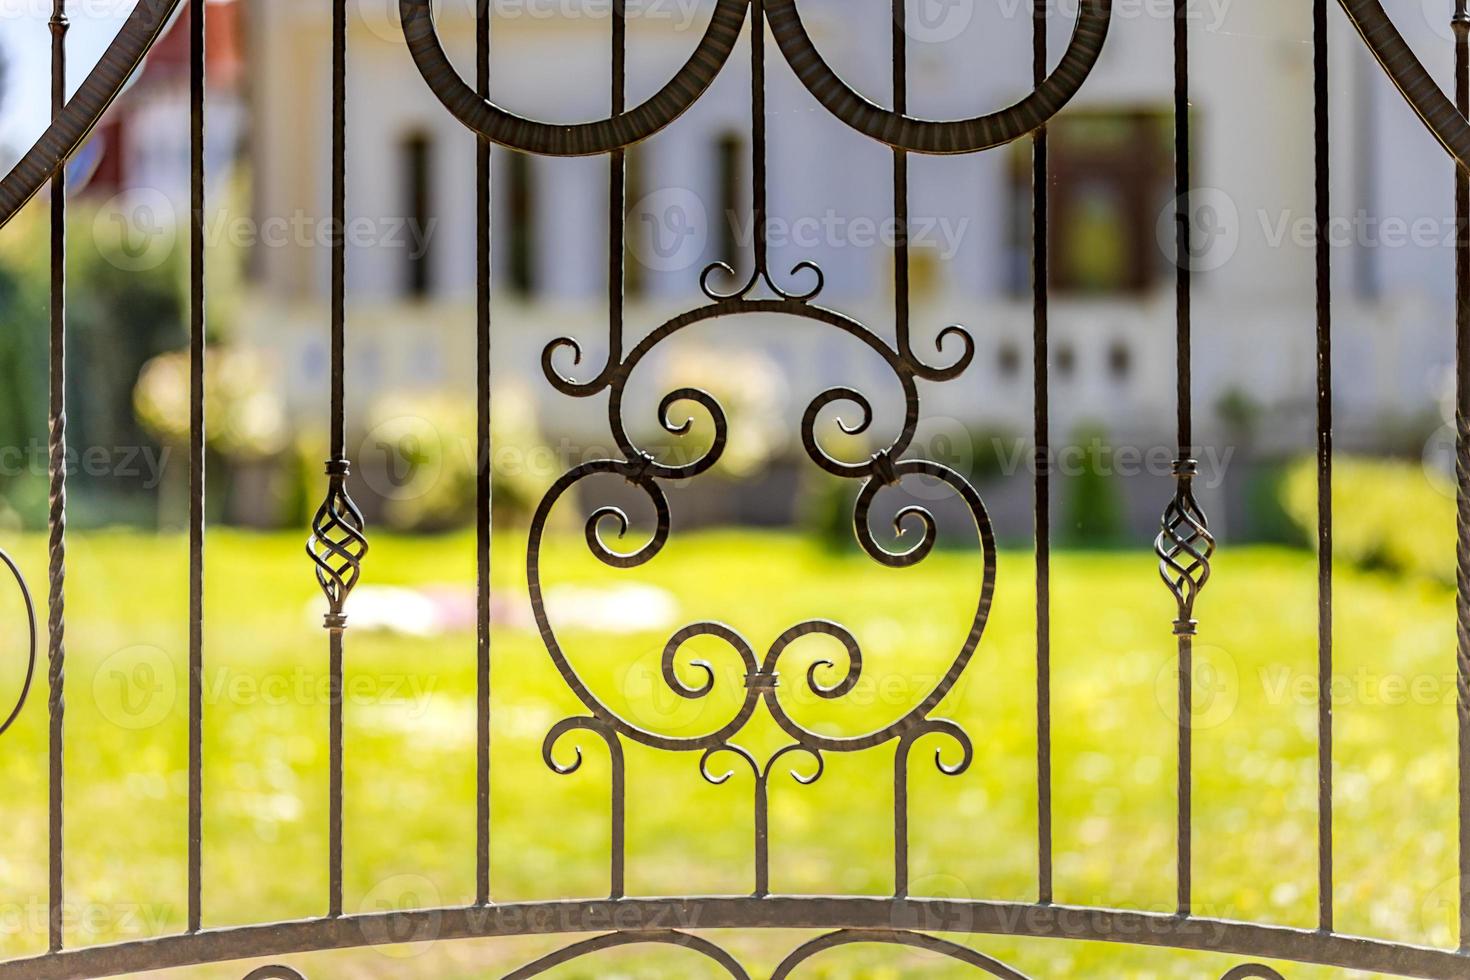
x=338, y=545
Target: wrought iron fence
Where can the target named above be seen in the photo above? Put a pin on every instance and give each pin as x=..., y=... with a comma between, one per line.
x=338, y=546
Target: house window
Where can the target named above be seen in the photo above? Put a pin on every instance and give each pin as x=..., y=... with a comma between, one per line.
x=521, y=211
x=416, y=155
x=1120, y=361
x=1110, y=179
x=1008, y=360
x=729, y=165
x=1066, y=360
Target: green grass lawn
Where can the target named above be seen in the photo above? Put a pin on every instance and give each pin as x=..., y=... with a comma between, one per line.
x=411, y=751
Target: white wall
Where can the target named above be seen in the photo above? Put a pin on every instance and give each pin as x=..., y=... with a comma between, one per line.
x=1252, y=99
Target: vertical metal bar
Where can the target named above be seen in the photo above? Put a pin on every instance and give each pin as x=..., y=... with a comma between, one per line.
x=1324, y=469
x=758, y=131
x=901, y=823
x=339, y=433
x=617, y=183
x=196, y=460
x=486, y=468
x=1461, y=24
x=1040, y=334
x=619, y=823
x=1183, y=280
x=339, y=220
x=56, y=624
x=901, y=182
x=334, y=792
x=616, y=249
x=1186, y=435
x=762, y=836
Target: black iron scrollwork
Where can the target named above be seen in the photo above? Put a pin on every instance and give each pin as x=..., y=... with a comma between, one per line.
x=582, y=139
x=337, y=545
x=887, y=468
x=826, y=679
x=810, y=950
x=955, y=734
x=895, y=937
x=614, y=940
x=905, y=132
x=619, y=777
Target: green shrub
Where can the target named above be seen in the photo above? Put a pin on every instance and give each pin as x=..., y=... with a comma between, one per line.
x=1387, y=514
x=1267, y=519
x=424, y=448
x=119, y=316
x=825, y=509
x=1094, y=506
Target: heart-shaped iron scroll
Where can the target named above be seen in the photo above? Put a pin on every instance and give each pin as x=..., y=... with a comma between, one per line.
x=886, y=469
x=71, y=127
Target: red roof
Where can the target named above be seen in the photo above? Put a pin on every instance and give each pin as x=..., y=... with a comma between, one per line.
x=223, y=45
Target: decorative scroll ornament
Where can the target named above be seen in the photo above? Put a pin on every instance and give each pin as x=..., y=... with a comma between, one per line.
x=579, y=139
x=337, y=544
x=884, y=470
x=807, y=951
x=1407, y=72
x=1185, y=547
x=614, y=940
x=764, y=685
x=895, y=937
x=761, y=273
x=948, y=136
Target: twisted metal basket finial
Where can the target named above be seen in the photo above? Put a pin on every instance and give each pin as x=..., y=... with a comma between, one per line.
x=1185, y=547
x=337, y=544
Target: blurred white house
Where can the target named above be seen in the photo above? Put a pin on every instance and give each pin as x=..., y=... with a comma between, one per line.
x=411, y=272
